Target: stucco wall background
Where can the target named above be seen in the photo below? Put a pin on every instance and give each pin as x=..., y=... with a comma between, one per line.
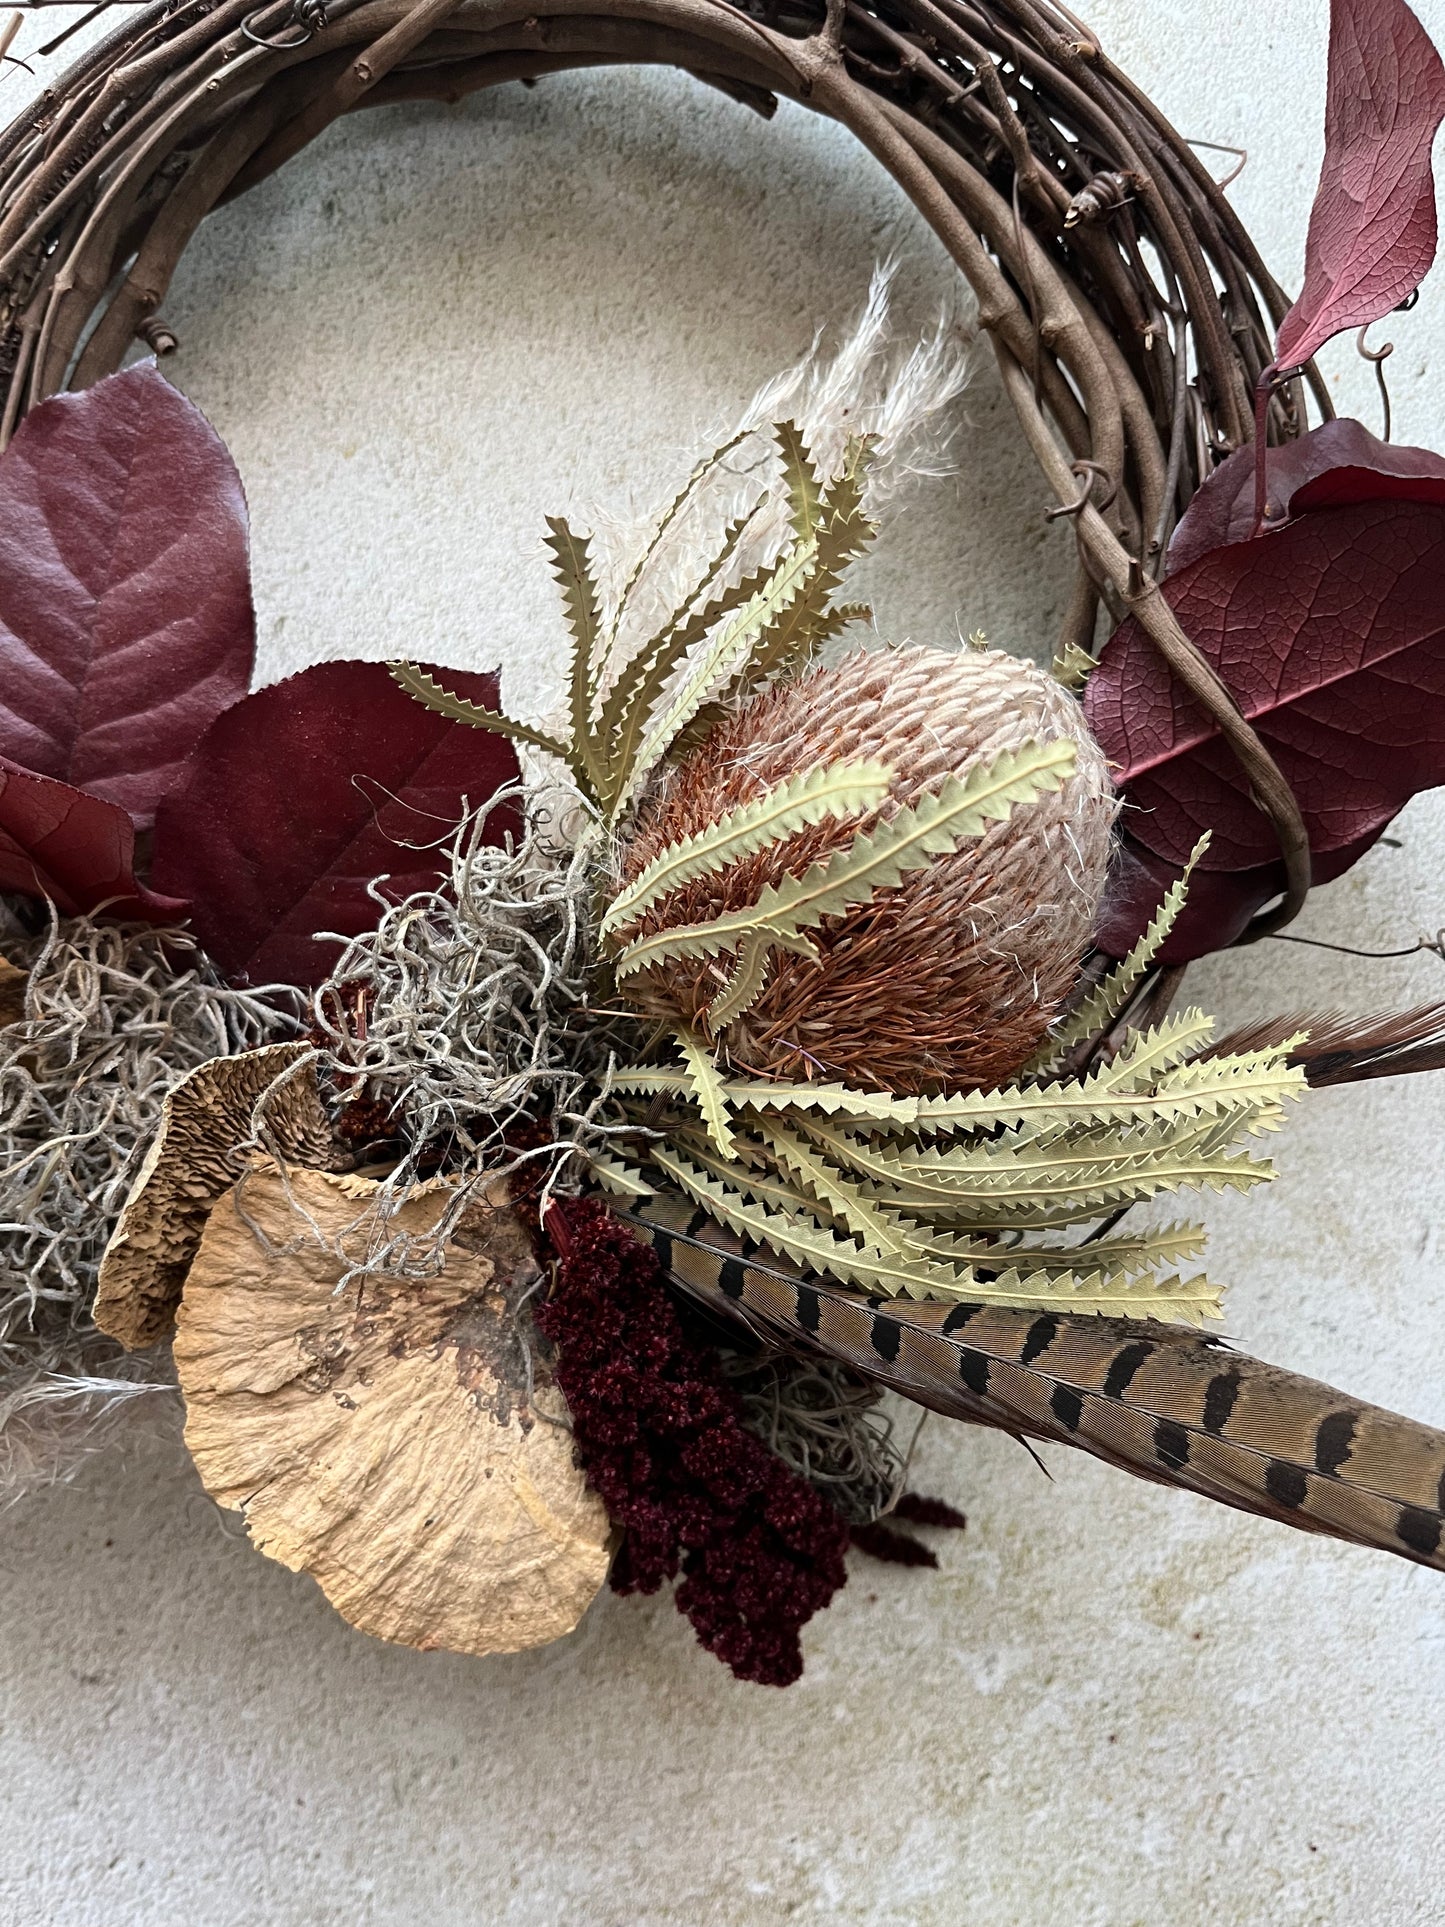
x=1112, y=1705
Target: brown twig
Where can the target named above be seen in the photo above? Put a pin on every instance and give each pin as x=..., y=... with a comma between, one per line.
x=992, y=115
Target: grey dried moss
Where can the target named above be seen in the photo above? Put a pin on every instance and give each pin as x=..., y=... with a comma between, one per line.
x=114, y=1013
x=468, y=1016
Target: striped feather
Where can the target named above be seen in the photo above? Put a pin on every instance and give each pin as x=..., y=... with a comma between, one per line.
x=1333, y=1048
x=1157, y=1400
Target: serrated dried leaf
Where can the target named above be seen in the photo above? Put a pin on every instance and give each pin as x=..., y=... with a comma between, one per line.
x=751, y=1172
x=666, y=520
x=799, y=1236
x=1118, y=1257
x=1072, y=667
x=831, y=1099
x=707, y=1088
x=1104, y=1005
x=841, y=533
x=805, y=491
x=632, y=701
x=873, y=860
x=838, y=1195
x=646, y=1080
x=1149, y=1053
x=206, y=1138
x=840, y=789
x=1014, y=1183
x=457, y=709
x=743, y=989
x=1110, y=1096
x=622, y=1179
x=725, y=656
x=1030, y=1159
x=572, y=567
x=1238, y=1085
x=805, y=1241
x=399, y=1440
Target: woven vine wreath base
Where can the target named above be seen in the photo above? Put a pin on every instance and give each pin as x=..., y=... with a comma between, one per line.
x=807, y=1040
x=1130, y=313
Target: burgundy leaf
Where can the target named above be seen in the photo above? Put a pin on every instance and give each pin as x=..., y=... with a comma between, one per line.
x=1372, y=226
x=1331, y=635
x=1218, y=906
x=125, y=599
x=79, y=850
x=1333, y=465
x=302, y=795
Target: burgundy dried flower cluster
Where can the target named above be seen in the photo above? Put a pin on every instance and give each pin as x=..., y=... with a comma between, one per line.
x=894, y=1548
x=883, y=1539
x=663, y=1444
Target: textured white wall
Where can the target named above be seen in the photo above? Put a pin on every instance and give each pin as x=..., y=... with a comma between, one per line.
x=1112, y=1705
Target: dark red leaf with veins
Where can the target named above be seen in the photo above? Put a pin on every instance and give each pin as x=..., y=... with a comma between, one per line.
x=1331, y=636
x=76, y=849
x=1372, y=226
x=1335, y=464
x=302, y=795
x=1219, y=904
x=125, y=599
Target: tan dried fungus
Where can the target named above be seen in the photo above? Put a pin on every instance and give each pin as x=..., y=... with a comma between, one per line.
x=389, y=1439
x=203, y=1145
x=12, y=992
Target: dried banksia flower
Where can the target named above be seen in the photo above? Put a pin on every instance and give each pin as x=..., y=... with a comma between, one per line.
x=869, y=888
x=948, y=980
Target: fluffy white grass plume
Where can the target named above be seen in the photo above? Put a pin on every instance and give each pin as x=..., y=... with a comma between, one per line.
x=902, y=394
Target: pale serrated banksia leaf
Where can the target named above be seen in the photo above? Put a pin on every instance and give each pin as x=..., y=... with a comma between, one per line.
x=841, y=789
x=1107, y=1002
x=874, y=860
x=727, y=636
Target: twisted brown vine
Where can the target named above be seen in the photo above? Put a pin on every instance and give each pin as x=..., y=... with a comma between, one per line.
x=1131, y=341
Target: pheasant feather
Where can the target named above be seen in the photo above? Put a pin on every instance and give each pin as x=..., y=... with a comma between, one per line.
x=1154, y=1399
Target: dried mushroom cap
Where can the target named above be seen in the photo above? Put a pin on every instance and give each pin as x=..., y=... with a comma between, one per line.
x=12, y=992
x=204, y=1143
x=387, y=1439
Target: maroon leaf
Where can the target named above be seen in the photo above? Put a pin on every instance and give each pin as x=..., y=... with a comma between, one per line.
x=125, y=599
x=1331, y=635
x=1372, y=226
x=303, y=794
x=1218, y=906
x=79, y=850
x=1336, y=464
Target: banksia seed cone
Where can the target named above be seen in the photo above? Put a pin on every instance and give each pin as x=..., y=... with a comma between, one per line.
x=946, y=982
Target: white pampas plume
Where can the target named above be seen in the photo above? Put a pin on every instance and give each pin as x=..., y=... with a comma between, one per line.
x=902, y=396
x=903, y=400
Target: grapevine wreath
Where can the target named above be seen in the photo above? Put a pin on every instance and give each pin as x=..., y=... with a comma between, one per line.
x=547, y=1199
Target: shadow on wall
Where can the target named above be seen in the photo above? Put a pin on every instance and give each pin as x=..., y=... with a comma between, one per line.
x=563, y=291
x=192, y=1735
